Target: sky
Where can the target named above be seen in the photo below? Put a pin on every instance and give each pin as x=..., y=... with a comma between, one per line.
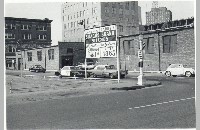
x=40, y=9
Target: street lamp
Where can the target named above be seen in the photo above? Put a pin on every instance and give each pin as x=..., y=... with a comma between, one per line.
x=19, y=43
x=83, y=23
x=140, y=56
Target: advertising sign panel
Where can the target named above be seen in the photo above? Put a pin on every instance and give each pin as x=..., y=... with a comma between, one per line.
x=101, y=42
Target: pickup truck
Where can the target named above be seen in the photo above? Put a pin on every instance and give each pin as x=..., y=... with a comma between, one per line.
x=106, y=71
x=179, y=69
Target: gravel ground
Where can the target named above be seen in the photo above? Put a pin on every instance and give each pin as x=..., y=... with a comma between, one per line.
x=30, y=89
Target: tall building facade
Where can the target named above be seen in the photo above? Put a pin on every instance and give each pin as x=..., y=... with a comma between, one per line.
x=23, y=33
x=96, y=14
x=158, y=15
x=139, y=15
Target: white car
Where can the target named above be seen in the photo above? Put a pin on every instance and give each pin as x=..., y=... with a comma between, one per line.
x=178, y=69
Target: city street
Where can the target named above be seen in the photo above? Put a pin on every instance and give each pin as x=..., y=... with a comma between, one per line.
x=170, y=105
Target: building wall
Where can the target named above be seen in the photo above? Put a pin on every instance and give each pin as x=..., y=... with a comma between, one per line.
x=184, y=54
x=98, y=14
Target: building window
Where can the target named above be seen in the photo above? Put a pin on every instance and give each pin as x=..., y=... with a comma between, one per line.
x=127, y=6
x=9, y=36
x=68, y=17
x=77, y=14
x=51, y=54
x=26, y=36
x=169, y=44
x=106, y=10
x=71, y=24
x=113, y=10
x=121, y=11
x=11, y=49
x=29, y=54
x=42, y=37
x=41, y=28
x=10, y=26
x=25, y=27
x=88, y=21
x=39, y=55
x=120, y=28
x=129, y=47
x=149, y=45
x=65, y=26
x=80, y=13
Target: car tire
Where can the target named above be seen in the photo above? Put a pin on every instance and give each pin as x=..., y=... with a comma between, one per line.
x=168, y=73
x=112, y=76
x=174, y=75
x=188, y=74
x=60, y=76
x=94, y=75
x=36, y=71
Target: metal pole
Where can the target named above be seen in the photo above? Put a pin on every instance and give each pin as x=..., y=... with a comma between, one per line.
x=140, y=77
x=118, y=65
x=21, y=63
x=85, y=68
x=85, y=51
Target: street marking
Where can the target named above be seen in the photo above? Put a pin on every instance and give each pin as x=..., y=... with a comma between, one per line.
x=183, y=99
x=130, y=108
x=148, y=105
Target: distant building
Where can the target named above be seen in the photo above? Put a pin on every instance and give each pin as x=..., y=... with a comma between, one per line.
x=96, y=14
x=158, y=15
x=23, y=33
x=139, y=15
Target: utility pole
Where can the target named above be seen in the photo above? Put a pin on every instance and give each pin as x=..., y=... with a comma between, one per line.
x=140, y=56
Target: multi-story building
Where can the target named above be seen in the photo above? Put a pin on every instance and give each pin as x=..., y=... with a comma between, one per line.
x=158, y=15
x=23, y=33
x=139, y=15
x=96, y=14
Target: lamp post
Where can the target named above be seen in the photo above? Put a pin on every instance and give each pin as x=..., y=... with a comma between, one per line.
x=20, y=44
x=83, y=23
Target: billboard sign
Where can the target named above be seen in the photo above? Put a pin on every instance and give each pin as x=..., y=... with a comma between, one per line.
x=101, y=42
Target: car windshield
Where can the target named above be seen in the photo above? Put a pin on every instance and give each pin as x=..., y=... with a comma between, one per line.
x=110, y=67
x=175, y=66
x=38, y=66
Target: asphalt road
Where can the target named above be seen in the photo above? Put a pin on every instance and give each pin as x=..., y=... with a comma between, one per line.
x=171, y=105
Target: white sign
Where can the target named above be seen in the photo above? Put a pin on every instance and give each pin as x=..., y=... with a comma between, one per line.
x=101, y=42
x=140, y=54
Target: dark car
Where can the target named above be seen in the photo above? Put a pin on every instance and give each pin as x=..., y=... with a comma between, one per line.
x=37, y=68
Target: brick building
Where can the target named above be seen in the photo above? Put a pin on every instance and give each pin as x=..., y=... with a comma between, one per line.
x=96, y=14
x=54, y=57
x=23, y=33
x=158, y=15
x=166, y=43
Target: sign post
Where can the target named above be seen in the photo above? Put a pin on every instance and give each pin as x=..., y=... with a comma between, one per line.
x=140, y=56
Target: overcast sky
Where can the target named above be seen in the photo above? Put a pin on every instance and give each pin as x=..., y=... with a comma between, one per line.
x=35, y=9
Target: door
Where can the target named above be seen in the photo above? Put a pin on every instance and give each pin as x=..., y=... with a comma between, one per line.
x=67, y=61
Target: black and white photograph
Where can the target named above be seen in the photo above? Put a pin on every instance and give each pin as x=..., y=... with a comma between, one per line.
x=99, y=64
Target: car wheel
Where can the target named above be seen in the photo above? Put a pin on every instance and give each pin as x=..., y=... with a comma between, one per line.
x=60, y=76
x=168, y=73
x=36, y=71
x=94, y=75
x=174, y=75
x=188, y=74
x=111, y=76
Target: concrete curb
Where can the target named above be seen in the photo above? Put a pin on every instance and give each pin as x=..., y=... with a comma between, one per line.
x=137, y=86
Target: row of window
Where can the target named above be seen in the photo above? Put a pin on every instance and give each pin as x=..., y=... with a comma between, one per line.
x=169, y=45
x=25, y=36
x=121, y=6
x=76, y=23
x=84, y=4
x=39, y=55
x=26, y=27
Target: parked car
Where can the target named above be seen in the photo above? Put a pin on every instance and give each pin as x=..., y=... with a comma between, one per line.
x=106, y=71
x=178, y=70
x=37, y=68
x=70, y=71
x=90, y=65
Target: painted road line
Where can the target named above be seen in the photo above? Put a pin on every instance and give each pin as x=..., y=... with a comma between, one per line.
x=182, y=99
x=136, y=107
x=165, y=102
x=142, y=106
x=159, y=103
x=130, y=108
x=148, y=105
x=176, y=100
x=193, y=97
x=153, y=104
x=171, y=101
x=188, y=98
